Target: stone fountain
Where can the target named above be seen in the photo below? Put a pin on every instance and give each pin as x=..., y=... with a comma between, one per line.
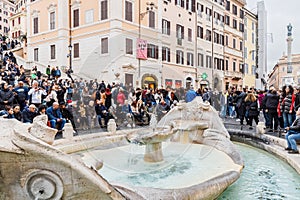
x=193, y=132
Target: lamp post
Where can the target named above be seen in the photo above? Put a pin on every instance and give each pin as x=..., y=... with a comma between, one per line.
x=150, y=7
x=70, y=58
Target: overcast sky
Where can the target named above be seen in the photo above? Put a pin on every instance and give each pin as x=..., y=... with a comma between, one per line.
x=279, y=15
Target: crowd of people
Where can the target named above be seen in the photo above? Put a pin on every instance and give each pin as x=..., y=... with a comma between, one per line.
x=89, y=104
x=279, y=108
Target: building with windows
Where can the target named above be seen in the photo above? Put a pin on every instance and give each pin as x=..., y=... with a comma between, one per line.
x=7, y=8
x=280, y=75
x=234, y=44
x=250, y=49
x=210, y=44
x=18, y=20
x=142, y=43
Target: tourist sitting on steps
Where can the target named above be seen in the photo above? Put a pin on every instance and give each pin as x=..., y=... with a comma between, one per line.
x=55, y=117
x=293, y=134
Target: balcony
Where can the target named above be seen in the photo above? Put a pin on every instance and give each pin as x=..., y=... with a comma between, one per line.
x=234, y=75
x=234, y=52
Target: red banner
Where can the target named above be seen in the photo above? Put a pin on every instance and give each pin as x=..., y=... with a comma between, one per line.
x=141, y=47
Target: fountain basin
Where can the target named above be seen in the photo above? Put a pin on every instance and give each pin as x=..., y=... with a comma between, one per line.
x=188, y=170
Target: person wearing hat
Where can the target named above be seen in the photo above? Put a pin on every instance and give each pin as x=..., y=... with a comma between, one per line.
x=29, y=113
x=55, y=117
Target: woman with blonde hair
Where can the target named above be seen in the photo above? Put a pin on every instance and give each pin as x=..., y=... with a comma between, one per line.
x=252, y=111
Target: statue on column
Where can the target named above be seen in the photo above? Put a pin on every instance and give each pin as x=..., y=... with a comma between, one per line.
x=289, y=28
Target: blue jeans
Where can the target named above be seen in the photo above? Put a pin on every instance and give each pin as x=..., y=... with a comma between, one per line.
x=287, y=119
x=61, y=124
x=223, y=111
x=267, y=118
x=231, y=110
x=291, y=138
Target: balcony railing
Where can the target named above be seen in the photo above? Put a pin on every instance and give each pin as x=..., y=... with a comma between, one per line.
x=234, y=74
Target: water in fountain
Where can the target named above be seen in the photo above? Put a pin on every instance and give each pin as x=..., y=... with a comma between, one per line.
x=264, y=177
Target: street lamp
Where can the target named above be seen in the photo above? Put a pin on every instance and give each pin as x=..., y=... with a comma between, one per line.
x=150, y=6
x=70, y=58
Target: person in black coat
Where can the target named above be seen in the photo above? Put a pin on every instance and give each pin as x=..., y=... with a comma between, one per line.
x=272, y=101
x=67, y=114
x=29, y=113
x=6, y=97
x=252, y=111
x=240, y=106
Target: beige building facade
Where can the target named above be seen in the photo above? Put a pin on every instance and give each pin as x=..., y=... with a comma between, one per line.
x=17, y=21
x=250, y=49
x=7, y=8
x=281, y=76
x=234, y=44
x=187, y=42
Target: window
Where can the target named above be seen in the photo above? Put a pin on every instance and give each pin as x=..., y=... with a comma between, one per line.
x=52, y=52
x=76, y=18
x=226, y=65
x=200, y=60
x=234, y=66
x=241, y=27
x=179, y=3
x=13, y=22
x=179, y=31
x=253, y=70
x=253, y=26
x=234, y=23
x=227, y=20
x=52, y=20
x=36, y=54
x=234, y=9
x=222, y=39
x=190, y=36
x=242, y=67
x=190, y=59
x=89, y=16
x=241, y=45
x=166, y=27
x=128, y=11
x=246, y=70
x=129, y=46
x=200, y=32
x=241, y=14
x=208, y=61
x=245, y=35
x=226, y=40
x=166, y=56
x=253, y=55
x=103, y=10
x=152, y=51
x=227, y=5
x=233, y=43
x=76, y=50
x=253, y=38
x=208, y=35
x=35, y=25
x=151, y=19
x=216, y=38
x=179, y=57
x=104, y=45
x=245, y=52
